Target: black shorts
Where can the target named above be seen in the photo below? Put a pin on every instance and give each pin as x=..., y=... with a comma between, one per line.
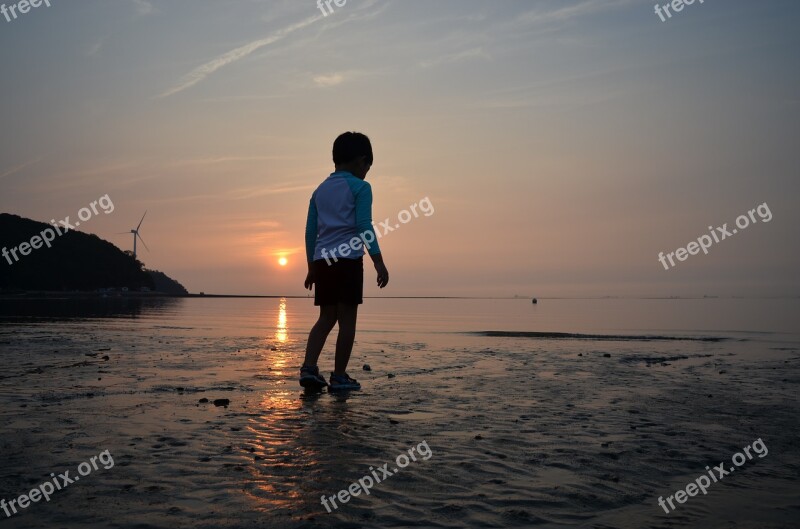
x=341, y=281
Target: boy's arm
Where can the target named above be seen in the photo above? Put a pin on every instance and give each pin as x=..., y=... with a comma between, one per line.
x=311, y=241
x=311, y=230
x=364, y=226
x=364, y=220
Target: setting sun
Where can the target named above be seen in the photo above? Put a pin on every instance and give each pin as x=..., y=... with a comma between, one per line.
x=283, y=261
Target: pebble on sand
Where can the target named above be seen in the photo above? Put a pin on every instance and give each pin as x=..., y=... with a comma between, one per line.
x=367, y=368
x=221, y=402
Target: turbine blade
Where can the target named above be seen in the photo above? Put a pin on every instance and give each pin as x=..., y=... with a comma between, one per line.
x=140, y=222
x=145, y=244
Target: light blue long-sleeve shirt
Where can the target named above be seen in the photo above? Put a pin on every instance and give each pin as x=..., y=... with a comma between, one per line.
x=340, y=211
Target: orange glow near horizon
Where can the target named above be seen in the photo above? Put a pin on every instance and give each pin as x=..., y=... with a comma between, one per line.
x=283, y=261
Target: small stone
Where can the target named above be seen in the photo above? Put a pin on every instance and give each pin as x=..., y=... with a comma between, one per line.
x=606, y=355
x=106, y=358
x=478, y=437
x=222, y=402
x=203, y=400
x=367, y=367
x=390, y=375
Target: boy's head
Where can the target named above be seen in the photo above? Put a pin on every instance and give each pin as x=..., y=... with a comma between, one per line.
x=352, y=151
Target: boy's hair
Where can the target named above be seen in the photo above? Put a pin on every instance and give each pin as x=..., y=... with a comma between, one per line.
x=351, y=145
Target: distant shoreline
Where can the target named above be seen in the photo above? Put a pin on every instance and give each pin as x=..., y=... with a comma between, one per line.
x=30, y=295
x=17, y=295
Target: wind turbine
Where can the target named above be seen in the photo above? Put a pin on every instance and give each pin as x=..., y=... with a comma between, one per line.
x=135, y=233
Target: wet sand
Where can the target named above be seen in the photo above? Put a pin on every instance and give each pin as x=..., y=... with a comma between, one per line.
x=524, y=430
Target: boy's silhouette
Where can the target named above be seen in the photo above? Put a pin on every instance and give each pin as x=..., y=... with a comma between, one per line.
x=340, y=220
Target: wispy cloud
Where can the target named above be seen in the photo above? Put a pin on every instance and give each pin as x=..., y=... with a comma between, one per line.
x=20, y=167
x=242, y=194
x=241, y=98
x=571, y=99
x=569, y=11
x=226, y=159
x=328, y=80
x=203, y=71
x=144, y=7
x=474, y=53
x=551, y=83
x=95, y=48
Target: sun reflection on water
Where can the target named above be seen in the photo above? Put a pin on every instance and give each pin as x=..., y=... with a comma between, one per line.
x=282, y=332
x=284, y=466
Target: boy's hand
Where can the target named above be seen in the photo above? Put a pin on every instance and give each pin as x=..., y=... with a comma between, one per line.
x=383, y=274
x=309, y=279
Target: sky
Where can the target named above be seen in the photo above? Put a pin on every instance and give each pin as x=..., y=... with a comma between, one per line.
x=562, y=144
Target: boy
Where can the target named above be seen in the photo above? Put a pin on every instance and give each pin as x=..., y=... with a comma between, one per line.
x=338, y=228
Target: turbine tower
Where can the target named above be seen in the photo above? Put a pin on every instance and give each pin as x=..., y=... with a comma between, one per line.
x=135, y=233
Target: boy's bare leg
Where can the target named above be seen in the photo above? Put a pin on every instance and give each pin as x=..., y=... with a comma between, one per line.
x=319, y=333
x=346, y=315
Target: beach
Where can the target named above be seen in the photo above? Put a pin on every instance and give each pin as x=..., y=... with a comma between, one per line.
x=524, y=430
x=555, y=235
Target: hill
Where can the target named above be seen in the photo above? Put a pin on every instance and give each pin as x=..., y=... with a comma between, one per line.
x=165, y=284
x=34, y=257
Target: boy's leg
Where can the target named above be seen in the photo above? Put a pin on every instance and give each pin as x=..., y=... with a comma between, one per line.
x=319, y=333
x=346, y=316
